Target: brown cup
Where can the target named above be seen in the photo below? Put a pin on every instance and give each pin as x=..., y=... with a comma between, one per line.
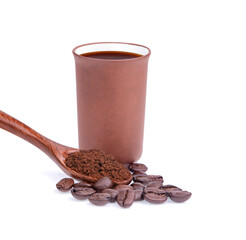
x=111, y=97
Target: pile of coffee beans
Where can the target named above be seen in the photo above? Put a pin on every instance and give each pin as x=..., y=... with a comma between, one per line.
x=144, y=187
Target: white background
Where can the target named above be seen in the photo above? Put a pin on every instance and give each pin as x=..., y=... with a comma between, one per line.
x=195, y=132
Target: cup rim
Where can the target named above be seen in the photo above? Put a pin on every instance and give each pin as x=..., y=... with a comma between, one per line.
x=114, y=60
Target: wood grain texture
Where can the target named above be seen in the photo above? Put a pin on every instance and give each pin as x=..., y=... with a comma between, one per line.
x=21, y=130
x=57, y=152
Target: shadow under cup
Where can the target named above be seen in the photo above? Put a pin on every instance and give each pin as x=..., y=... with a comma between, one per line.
x=111, y=96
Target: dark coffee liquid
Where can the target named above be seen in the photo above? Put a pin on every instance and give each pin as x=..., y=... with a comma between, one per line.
x=111, y=55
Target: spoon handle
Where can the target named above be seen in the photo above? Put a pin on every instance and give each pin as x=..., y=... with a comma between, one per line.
x=21, y=130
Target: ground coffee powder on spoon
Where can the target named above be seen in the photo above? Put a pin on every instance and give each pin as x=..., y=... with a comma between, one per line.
x=97, y=164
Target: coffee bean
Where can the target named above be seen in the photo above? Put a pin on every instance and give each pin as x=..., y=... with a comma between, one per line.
x=113, y=193
x=180, y=196
x=126, y=198
x=65, y=184
x=123, y=187
x=138, y=173
x=138, y=195
x=154, y=190
x=138, y=167
x=156, y=178
x=82, y=193
x=171, y=188
x=148, y=178
x=155, y=198
x=148, y=187
x=103, y=183
x=154, y=184
x=137, y=186
x=81, y=184
x=100, y=199
x=142, y=179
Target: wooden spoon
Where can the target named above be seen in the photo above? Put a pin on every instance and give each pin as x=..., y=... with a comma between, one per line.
x=57, y=152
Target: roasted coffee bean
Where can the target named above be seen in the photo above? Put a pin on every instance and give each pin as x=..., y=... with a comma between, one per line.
x=148, y=178
x=154, y=190
x=123, y=187
x=154, y=184
x=138, y=195
x=65, y=184
x=170, y=188
x=82, y=193
x=138, y=173
x=142, y=179
x=103, y=183
x=156, y=178
x=155, y=198
x=82, y=184
x=113, y=193
x=138, y=167
x=100, y=199
x=179, y=196
x=126, y=198
x=137, y=186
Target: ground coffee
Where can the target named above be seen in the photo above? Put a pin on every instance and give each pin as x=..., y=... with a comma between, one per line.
x=97, y=164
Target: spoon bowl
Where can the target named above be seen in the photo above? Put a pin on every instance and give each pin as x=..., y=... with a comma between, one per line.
x=56, y=151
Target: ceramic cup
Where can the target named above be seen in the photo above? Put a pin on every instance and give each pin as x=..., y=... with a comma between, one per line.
x=111, y=96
